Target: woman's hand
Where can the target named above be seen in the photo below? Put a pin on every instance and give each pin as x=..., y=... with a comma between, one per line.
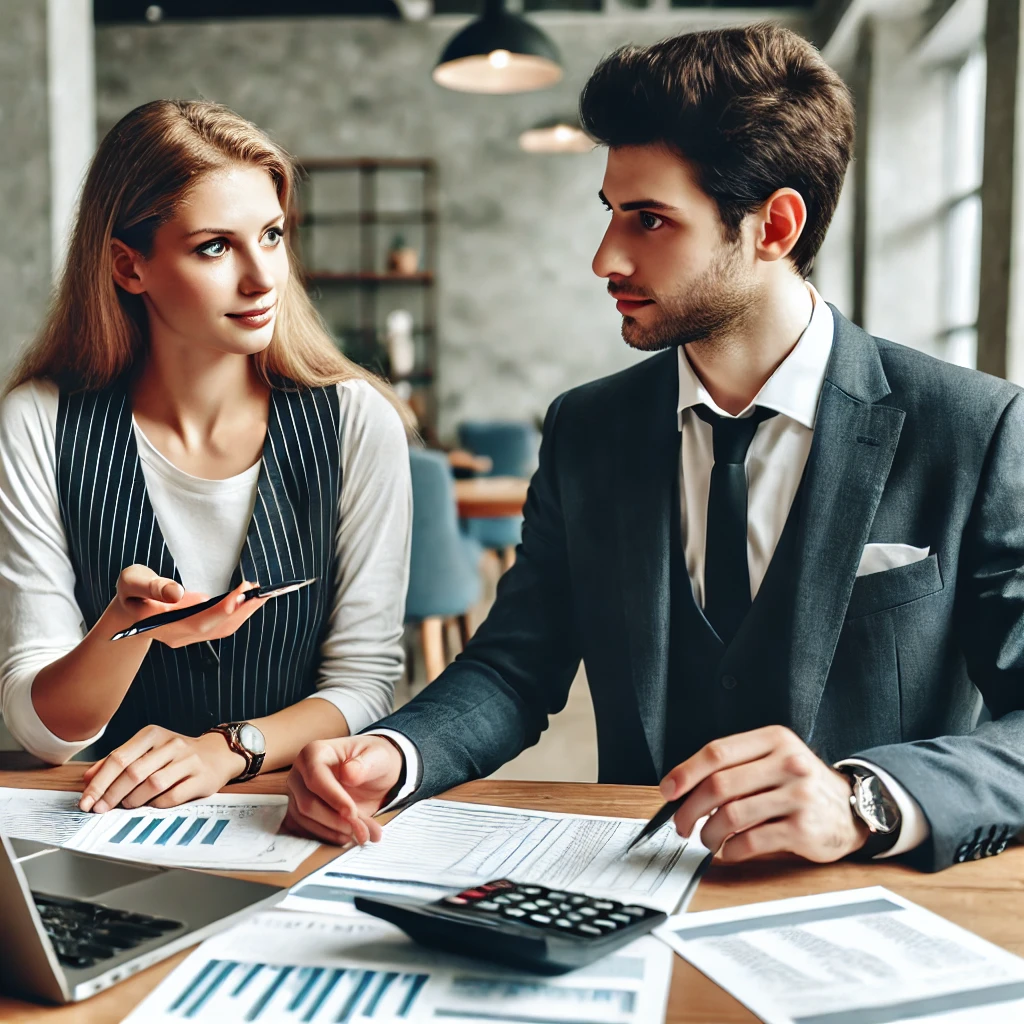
x=160, y=768
x=142, y=593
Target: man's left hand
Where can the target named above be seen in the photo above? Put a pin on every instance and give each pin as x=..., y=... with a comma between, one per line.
x=766, y=793
x=160, y=768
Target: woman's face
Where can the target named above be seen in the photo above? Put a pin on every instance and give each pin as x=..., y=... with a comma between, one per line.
x=217, y=269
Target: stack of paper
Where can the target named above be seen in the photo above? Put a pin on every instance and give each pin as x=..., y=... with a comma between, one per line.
x=282, y=967
x=233, y=832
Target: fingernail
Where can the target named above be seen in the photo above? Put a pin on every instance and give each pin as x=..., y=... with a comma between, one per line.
x=85, y=803
x=668, y=788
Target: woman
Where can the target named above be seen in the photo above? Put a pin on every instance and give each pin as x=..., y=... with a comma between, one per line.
x=183, y=426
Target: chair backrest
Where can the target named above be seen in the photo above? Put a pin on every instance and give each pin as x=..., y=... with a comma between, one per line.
x=511, y=444
x=441, y=579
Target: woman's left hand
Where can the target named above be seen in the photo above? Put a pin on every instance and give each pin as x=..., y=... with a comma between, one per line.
x=160, y=768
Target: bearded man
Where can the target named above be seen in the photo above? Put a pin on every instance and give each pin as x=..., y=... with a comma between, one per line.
x=789, y=554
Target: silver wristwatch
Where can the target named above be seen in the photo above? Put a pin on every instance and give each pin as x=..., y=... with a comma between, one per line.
x=874, y=806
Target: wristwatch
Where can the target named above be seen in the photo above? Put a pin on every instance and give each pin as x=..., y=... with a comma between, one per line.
x=245, y=739
x=874, y=806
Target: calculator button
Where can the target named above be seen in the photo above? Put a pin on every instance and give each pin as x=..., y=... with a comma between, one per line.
x=488, y=905
x=557, y=895
x=529, y=906
x=543, y=903
x=589, y=929
x=573, y=916
x=588, y=911
x=540, y=918
x=502, y=899
x=516, y=897
x=457, y=900
x=562, y=923
x=634, y=911
x=532, y=890
x=513, y=912
x=609, y=925
x=563, y=907
x=621, y=918
x=604, y=905
x=472, y=894
x=577, y=900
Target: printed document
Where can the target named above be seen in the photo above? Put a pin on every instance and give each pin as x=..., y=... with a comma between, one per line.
x=863, y=956
x=233, y=832
x=438, y=846
x=279, y=967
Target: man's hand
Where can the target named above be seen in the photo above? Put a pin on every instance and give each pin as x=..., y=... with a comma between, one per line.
x=767, y=793
x=336, y=786
x=160, y=768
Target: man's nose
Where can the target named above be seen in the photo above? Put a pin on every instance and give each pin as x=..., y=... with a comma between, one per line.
x=611, y=259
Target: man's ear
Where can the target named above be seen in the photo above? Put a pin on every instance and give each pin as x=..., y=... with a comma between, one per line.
x=126, y=265
x=781, y=222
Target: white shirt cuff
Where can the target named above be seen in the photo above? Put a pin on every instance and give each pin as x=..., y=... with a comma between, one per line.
x=413, y=766
x=914, y=828
x=25, y=725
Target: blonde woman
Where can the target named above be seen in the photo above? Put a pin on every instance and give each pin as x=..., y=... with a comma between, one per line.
x=182, y=427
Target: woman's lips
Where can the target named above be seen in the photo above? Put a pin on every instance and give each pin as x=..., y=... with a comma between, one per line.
x=628, y=306
x=254, y=318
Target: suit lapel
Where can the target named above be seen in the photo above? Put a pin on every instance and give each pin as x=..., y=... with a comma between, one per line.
x=647, y=464
x=851, y=453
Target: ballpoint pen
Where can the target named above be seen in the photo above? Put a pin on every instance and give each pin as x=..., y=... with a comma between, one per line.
x=177, y=614
x=659, y=819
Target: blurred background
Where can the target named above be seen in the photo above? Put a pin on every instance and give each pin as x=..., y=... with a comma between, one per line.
x=449, y=214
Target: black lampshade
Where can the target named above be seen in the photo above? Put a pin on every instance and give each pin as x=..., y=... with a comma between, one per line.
x=499, y=52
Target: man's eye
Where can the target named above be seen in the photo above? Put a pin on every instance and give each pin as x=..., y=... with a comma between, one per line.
x=646, y=218
x=215, y=248
x=272, y=237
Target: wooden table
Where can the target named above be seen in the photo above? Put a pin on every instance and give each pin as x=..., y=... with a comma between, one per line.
x=986, y=896
x=490, y=497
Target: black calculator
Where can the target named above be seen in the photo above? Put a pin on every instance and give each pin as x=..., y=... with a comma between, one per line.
x=547, y=931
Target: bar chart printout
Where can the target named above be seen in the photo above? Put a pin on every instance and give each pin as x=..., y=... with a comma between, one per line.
x=283, y=967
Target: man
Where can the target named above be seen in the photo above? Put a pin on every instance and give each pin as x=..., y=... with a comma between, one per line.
x=789, y=554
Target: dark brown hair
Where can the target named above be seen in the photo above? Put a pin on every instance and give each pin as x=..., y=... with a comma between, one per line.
x=752, y=109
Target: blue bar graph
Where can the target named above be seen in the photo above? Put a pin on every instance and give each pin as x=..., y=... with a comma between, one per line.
x=230, y=992
x=126, y=830
x=194, y=829
x=218, y=826
x=148, y=831
x=161, y=840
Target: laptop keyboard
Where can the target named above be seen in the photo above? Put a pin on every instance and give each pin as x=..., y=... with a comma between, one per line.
x=83, y=934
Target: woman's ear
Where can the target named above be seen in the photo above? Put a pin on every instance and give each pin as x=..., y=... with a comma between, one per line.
x=126, y=266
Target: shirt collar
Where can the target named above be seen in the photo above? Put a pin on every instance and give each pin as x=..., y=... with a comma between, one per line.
x=793, y=389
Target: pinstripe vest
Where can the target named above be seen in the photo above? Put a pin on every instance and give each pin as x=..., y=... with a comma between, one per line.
x=272, y=659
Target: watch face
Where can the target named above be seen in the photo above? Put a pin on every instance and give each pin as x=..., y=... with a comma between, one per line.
x=874, y=804
x=252, y=739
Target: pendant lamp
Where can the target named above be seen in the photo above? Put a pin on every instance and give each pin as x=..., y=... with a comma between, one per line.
x=559, y=135
x=500, y=52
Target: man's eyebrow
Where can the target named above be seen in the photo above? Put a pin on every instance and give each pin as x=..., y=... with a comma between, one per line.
x=639, y=204
x=228, y=231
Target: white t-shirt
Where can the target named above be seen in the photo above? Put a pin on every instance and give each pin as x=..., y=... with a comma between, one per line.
x=204, y=523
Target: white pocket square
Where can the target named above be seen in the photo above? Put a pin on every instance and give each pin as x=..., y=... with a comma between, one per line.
x=879, y=557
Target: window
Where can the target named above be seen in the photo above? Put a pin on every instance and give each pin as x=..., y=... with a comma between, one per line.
x=965, y=119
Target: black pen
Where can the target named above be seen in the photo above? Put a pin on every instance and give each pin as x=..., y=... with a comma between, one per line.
x=177, y=614
x=665, y=814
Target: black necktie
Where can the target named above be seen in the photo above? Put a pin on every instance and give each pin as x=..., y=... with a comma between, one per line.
x=726, y=578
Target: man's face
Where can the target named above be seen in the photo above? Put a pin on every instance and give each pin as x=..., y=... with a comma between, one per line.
x=665, y=247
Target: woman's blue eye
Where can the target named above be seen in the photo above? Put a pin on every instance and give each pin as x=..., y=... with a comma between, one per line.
x=273, y=236
x=215, y=248
x=646, y=217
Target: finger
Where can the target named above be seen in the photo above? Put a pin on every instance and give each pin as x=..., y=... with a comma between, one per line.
x=726, y=752
x=136, y=773
x=92, y=770
x=312, y=813
x=139, y=581
x=322, y=781
x=773, y=837
x=159, y=781
x=741, y=815
x=113, y=764
x=192, y=787
x=730, y=784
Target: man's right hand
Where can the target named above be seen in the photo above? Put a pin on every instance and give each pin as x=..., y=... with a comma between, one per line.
x=336, y=786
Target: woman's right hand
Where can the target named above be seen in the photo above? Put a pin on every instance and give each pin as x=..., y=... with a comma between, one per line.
x=142, y=593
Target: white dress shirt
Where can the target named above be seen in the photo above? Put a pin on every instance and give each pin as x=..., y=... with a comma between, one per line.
x=775, y=463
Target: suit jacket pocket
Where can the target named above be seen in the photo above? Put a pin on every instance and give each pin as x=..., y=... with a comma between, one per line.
x=881, y=590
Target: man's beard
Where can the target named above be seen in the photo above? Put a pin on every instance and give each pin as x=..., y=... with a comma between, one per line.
x=712, y=306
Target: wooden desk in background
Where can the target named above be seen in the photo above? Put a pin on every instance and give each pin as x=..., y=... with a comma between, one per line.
x=986, y=896
x=490, y=497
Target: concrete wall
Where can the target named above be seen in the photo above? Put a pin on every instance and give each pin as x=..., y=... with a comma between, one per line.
x=522, y=317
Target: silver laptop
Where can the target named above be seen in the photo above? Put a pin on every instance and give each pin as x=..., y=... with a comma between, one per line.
x=72, y=924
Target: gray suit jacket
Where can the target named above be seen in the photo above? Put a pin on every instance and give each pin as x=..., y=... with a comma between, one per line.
x=893, y=667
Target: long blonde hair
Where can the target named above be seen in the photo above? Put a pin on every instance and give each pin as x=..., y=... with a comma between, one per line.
x=142, y=171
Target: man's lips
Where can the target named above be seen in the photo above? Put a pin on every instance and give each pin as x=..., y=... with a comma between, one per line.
x=629, y=305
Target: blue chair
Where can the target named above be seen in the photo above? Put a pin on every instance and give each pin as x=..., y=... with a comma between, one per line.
x=444, y=576
x=512, y=447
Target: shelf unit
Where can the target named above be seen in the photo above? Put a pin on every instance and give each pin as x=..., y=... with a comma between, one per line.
x=347, y=211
